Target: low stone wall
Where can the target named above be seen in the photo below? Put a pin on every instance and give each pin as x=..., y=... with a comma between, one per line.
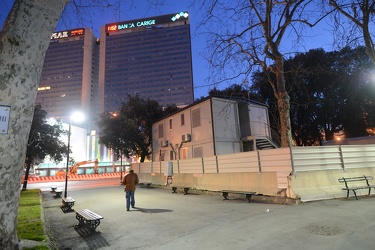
x=304, y=186
x=264, y=183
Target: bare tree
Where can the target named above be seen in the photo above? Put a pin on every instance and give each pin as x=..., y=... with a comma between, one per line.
x=361, y=17
x=245, y=35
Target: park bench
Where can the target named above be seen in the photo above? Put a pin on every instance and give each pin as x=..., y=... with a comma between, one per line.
x=145, y=185
x=53, y=188
x=88, y=218
x=364, y=184
x=58, y=193
x=186, y=189
x=68, y=202
x=248, y=195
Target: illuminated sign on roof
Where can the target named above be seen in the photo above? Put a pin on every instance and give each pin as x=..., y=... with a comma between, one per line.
x=68, y=33
x=147, y=22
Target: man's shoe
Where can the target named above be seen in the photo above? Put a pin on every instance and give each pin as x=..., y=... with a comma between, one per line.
x=127, y=209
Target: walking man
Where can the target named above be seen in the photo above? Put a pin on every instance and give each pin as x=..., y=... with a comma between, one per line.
x=130, y=181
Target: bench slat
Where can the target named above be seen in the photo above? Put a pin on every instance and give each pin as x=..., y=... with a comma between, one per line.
x=89, y=215
x=68, y=199
x=88, y=218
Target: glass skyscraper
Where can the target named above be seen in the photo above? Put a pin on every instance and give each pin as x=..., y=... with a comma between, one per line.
x=69, y=80
x=150, y=57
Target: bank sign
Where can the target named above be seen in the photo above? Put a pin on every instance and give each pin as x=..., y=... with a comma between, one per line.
x=113, y=27
x=4, y=119
x=68, y=33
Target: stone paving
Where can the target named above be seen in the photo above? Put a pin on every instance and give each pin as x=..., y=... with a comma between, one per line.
x=162, y=220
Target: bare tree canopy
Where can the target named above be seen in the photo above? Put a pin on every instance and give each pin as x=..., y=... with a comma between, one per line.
x=247, y=35
x=354, y=21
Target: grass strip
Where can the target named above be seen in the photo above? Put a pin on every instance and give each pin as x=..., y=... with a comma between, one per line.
x=30, y=225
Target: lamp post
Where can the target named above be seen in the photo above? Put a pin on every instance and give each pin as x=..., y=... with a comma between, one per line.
x=121, y=166
x=78, y=117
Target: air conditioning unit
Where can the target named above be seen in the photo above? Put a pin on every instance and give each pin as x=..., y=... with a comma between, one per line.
x=186, y=137
x=164, y=143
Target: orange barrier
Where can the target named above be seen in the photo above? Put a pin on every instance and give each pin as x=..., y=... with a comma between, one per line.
x=74, y=177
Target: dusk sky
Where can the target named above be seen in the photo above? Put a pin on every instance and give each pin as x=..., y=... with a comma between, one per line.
x=95, y=18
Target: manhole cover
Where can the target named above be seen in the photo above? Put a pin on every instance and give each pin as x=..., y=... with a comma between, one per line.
x=324, y=230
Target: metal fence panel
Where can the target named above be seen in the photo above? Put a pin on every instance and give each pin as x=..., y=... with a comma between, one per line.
x=358, y=156
x=136, y=166
x=240, y=162
x=191, y=166
x=316, y=158
x=210, y=165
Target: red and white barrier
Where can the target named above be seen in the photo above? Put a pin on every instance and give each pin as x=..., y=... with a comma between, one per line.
x=74, y=177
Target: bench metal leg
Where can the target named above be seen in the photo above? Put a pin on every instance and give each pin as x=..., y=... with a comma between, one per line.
x=186, y=190
x=68, y=204
x=225, y=195
x=355, y=194
x=80, y=221
x=93, y=224
x=248, y=197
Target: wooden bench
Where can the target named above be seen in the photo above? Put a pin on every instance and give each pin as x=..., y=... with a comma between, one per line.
x=88, y=218
x=248, y=195
x=68, y=202
x=186, y=189
x=53, y=188
x=364, y=185
x=58, y=193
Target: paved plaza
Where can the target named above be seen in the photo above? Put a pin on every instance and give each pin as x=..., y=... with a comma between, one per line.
x=162, y=220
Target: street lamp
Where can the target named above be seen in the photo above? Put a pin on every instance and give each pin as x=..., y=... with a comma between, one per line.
x=121, y=166
x=77, y=117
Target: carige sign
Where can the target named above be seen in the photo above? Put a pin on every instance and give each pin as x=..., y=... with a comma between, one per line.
x=113, y=27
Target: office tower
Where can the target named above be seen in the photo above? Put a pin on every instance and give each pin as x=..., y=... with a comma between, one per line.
x=69, y=80
x=150, y=57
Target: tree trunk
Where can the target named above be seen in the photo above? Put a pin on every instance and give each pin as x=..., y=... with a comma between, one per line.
x=24, y=40
x=143, y=156
x=283, y=103
x=285, y=125
x=24, y=187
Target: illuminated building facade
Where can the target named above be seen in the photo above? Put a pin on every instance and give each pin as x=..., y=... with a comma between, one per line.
x=69, y=80
x=150, y=57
